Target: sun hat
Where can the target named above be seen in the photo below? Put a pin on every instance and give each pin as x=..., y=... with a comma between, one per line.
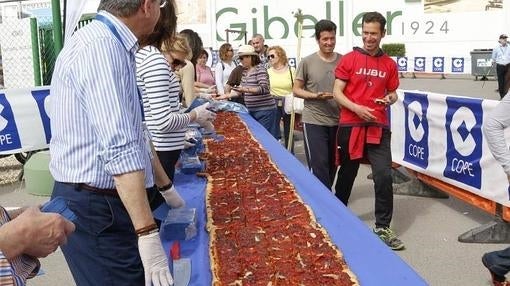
x=246, y=50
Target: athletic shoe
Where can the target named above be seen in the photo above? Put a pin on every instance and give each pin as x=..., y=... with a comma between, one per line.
x=389, y=237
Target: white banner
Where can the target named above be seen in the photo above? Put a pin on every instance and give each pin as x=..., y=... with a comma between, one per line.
x=441, y=136
x=24, y=123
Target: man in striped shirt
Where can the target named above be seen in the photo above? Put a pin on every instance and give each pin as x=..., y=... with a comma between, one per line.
x=101, y=153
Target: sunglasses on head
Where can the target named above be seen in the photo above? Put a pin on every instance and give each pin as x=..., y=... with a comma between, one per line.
x=271, y=56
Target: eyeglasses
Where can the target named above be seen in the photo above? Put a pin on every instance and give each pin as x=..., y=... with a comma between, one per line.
x=162, y=3
x=271, y=56
x=177, y=62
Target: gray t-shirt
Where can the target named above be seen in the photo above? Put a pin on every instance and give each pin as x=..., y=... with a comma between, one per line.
x=318, y=76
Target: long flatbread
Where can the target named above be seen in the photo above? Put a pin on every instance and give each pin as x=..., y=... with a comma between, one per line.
x=261, y=232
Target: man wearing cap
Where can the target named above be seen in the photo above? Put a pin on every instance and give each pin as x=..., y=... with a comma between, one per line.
x=501, y=56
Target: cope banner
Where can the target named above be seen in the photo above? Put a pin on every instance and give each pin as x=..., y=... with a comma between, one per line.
x=437, y=64
x=441, y=136
x=24, y=123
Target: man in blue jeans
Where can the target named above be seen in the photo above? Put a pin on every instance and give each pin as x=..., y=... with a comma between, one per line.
x=498, y=262
x=102, y=158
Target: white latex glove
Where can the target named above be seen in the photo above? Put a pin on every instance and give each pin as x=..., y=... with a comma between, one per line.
x=188, y=144
x=208, y=127
x=211, y=89
x=155, y=263
x=172, y=198
x=202, y=114
x=205, y=95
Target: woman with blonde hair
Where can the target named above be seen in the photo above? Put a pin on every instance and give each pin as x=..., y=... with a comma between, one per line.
x=281, y=76
x=224, y=67
x=160, y=94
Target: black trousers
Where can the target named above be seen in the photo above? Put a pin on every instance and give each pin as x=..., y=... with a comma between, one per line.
x=379, y=156
x=168, y=159
x=320, y=148
x=501, y=71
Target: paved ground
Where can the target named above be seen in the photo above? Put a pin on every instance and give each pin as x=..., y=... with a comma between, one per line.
x=429, y=227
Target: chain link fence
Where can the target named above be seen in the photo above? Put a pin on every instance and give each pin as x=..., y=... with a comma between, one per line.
x=27, y=53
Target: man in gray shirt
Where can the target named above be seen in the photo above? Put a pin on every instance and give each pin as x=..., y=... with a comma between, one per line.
x=314, y=83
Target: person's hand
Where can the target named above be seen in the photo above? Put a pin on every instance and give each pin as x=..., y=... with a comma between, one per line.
x=155, y=263
x=188, y=144
x=202, y=114
x=208, y=127
x=41, y=233
x=205, y=95
x=172, y=198
x=364, y=113
x=211, y=89
x=324, y=95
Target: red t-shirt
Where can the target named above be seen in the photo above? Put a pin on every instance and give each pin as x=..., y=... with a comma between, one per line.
x=368, y=77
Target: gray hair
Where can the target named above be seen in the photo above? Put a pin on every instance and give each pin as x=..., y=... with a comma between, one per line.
x=120, y=8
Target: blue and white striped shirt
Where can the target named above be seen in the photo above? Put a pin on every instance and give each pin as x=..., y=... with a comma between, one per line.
x=160, y=91
x=96, y=113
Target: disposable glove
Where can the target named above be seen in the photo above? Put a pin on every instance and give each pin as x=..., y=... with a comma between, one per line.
x=154, y=261
x=188, y=144
x=202, y=114
x=205, y=95
x=172, y=198
x=208, y=127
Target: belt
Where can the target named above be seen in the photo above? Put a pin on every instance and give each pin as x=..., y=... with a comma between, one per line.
x=85, y=187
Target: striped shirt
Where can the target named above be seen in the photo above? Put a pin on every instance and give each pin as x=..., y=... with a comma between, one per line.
x=160, y=92
x=16, y=271
x=95, y=109
x=262, y=99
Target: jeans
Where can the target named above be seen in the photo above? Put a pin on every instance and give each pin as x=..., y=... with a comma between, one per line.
x=103, y=250
x=498, y=261
x=267, y=119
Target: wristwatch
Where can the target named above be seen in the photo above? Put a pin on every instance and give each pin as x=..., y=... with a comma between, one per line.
x=165, y=187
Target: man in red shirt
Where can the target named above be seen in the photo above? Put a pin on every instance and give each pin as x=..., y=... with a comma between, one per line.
x=365, y=85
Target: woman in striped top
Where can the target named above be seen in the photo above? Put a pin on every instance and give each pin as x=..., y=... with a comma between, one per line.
x=160, y=93
x=255, y=89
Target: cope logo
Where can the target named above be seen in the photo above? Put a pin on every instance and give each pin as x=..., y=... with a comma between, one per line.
x=417, y=129
x=402, y=64
x=42, y=99
x=438, y=64
x=9, y=137
x=292, y=62
x=419, y=64
x=457, y=64
x=464, y=140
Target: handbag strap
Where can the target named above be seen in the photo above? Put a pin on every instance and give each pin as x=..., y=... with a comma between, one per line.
x=291, y=79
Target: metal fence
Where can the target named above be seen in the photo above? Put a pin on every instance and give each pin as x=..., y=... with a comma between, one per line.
x=27, y=53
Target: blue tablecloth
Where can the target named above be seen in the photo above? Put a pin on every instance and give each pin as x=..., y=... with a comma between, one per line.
x=368, y=257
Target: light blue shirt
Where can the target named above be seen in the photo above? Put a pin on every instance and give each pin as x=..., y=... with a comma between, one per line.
x=95, y=112
x=501, y=54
